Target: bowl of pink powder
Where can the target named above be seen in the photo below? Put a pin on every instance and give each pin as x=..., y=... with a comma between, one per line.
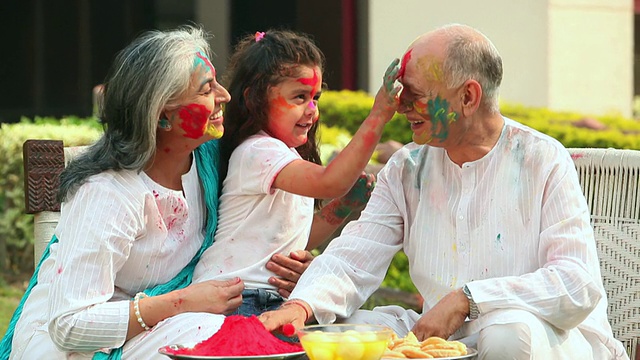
x=239, y=337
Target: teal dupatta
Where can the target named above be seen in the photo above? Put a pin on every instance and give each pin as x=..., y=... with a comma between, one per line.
x=207, y=158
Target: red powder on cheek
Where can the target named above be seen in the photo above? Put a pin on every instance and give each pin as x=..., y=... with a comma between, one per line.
x=194, y=120
x=403, y=64
x=240, y=336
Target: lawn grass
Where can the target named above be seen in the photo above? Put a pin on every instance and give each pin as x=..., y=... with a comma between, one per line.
x=10, y=296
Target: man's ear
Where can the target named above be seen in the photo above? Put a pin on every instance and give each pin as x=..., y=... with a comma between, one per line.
x=470, y=97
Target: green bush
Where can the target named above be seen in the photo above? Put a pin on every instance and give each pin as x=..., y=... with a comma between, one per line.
x=16, y=227
x=347, y=109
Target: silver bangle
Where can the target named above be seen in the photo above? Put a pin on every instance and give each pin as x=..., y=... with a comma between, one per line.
x=136, y=309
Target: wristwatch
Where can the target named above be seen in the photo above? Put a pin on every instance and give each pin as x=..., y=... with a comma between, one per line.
x=473, y=307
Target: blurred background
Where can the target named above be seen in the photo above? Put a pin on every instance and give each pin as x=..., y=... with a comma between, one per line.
x=565, y=55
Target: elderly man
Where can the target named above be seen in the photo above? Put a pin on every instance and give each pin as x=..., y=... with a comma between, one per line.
x=490, y=214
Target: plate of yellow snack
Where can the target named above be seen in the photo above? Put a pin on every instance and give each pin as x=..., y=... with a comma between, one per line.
x=409, y=347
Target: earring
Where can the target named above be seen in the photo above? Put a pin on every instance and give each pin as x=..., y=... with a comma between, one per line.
x=164, y=124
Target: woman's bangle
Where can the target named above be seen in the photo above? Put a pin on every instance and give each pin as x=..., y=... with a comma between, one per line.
x=136, y=309
x=299, y=303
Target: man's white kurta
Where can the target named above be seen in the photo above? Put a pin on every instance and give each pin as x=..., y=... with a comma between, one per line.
x=513, y=225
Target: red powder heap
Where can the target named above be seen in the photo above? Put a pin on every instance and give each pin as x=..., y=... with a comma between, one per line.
x=240, y=336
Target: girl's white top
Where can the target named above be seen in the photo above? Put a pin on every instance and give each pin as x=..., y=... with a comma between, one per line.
x=256, y=220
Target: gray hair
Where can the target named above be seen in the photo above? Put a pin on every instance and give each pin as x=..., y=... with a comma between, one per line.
x=471, y=55
x=147, y=76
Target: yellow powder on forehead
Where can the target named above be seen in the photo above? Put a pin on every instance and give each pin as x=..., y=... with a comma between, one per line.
x=430, y=68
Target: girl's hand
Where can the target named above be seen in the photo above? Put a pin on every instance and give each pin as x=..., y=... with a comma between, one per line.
x=212, y=296
x=360, y=193
x=387, y=99
x=288, y=270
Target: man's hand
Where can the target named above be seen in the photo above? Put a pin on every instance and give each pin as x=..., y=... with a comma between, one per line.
x=288, y=313
x=288, y=270
x=445, y=318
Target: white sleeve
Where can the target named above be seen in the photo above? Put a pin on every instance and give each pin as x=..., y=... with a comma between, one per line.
x=354, y=264
x=254, y=165
x=97, y=228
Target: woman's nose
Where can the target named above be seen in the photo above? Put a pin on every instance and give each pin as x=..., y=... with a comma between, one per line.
x=223, y=95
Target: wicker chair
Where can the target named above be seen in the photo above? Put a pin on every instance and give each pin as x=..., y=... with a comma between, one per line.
x=610, y=180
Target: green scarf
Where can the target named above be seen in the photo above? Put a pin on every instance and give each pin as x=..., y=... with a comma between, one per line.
x=207, y=158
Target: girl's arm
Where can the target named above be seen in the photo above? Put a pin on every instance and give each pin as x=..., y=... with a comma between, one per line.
x=332, y=215
x=308, y=179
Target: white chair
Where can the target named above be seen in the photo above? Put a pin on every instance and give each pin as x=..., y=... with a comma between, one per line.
x=610, y=180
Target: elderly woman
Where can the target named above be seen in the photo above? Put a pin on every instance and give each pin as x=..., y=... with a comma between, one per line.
x=139, y=208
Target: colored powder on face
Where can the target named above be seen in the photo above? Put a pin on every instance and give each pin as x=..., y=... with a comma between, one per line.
x=203, y=60
x=279, y=106
x=194, y=120
x=240, y=336
x=213, y=131
x=312, y=81
x=440, y=115
x=403, y=65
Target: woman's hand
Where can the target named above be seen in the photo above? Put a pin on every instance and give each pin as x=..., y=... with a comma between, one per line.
x=288, y=270
x=212, y=296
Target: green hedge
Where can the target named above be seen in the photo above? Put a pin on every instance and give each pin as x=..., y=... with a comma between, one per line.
x=16, y=227
x=347, y=109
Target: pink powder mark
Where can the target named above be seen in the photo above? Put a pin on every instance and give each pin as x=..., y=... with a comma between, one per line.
x=313, y=81
x=577, y=156
x=207, y=62
x=194, y=120
x=60, y=270
x=155, y=194
x=369, y=138
x=403, y=65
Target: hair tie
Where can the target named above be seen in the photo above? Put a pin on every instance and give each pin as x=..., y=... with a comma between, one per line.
x=259, y=35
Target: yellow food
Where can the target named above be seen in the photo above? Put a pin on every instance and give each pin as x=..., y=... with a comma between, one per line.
x=434, y=347
x=350, y=345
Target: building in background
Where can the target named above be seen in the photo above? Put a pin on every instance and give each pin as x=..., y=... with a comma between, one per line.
x=575, y=55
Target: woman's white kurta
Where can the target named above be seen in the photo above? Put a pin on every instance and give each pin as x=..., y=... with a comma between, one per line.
x=119, y=234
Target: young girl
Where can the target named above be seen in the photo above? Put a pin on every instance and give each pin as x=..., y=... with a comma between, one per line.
x=274, y=171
